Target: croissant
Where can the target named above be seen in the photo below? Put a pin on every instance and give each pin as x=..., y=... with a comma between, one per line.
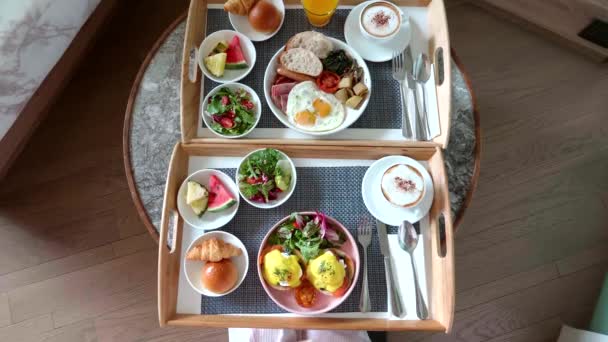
x=239, y=7
x=213, y=250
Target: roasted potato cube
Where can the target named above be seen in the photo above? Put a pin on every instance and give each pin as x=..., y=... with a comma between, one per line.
x=342, y=95
x=360, y=89
x=354, y=101
x=345, y=82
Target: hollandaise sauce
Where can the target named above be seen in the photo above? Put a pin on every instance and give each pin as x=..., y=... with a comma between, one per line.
x=281, y=269
x=326, y=272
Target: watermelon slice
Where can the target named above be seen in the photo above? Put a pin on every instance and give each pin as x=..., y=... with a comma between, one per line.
x=235, y=58
x=219, y=198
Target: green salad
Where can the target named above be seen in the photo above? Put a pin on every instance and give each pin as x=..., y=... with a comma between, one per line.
x=264, y=175
x=232, y=111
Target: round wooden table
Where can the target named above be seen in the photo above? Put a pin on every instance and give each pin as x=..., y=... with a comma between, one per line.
x=152, y=128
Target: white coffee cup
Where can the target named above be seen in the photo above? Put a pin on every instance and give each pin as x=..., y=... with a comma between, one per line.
x=393, y=15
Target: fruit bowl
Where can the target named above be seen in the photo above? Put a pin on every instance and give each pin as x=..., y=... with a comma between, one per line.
x=221, y=208
x=230, y=75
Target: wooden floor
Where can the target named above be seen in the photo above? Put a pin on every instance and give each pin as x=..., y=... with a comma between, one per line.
x=76, y=264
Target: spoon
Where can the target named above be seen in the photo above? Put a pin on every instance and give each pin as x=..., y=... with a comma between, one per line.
x=422, y=73
x=408, y=240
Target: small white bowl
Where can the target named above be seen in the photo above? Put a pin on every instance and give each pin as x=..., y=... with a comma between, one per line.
x=229, y=75
x=232, y=86
x=282, y=197
x=241, y=23
x=207, y=221
x=193, y=268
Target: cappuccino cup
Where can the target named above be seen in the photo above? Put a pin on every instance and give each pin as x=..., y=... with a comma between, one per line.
x=381, y=20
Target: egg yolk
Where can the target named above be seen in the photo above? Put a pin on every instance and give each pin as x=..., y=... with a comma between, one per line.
x=321, y=107
x=305, y=118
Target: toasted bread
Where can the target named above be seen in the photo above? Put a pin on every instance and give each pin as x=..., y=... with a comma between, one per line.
x=301, y=61
x=313, y=41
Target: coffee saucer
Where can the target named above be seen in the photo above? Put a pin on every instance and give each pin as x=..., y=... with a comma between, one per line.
x=384, y=210
x=374, y=50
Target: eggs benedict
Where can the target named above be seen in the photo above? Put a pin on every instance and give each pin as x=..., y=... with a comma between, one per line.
x=331, y=272
x=281, y=270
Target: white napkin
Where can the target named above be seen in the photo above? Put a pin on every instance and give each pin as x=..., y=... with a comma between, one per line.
x=402, y=270
x=431, y=104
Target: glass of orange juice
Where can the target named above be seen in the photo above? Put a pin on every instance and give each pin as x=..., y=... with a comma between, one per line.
x=319, y=12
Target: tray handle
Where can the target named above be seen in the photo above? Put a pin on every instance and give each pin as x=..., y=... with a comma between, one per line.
x=442, y=250
x=168, y=256
x=191, y=84
x=439, y=50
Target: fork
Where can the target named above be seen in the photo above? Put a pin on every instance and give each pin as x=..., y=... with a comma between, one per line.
x=364, y=235
x=399, y=75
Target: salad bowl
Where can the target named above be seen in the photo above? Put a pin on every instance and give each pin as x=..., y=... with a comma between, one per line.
x=235, y=92
x=266, y=187
x=323, y=300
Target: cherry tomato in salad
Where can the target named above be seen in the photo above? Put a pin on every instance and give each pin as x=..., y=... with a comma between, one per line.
x=252, y=180
x=305, y=295
x=328, y=81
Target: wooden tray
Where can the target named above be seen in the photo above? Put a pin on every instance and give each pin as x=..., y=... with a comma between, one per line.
x=435, y=35
x=441, y=257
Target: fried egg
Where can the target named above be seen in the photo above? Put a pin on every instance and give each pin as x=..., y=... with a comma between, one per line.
x=402, y=185
x=311, y=109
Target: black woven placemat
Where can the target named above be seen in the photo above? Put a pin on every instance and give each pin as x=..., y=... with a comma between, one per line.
x=335, y=191
x=381, y=112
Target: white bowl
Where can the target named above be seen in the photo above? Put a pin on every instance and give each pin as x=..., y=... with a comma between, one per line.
x=209, y=220
x=241, y=23
x=233, y=86
x=193, y=268
x=352, y=115
x=229, y=75
x=384, y=210
x=282, y=197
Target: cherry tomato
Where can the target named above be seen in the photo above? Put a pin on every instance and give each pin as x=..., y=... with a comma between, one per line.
x=342, y=289
x=252, y=180
x=305, y=295
x=328, y=81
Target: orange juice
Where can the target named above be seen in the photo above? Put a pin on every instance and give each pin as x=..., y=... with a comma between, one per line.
x=319, y=12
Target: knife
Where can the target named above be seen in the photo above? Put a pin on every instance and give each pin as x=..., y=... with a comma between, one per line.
x=409, y=68
x=391, y=285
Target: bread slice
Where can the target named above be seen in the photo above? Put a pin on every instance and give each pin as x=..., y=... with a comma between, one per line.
x=313, y=41
x=302, y=61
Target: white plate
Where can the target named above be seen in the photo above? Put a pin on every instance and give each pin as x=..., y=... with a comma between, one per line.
x=352, y=115
x=229, y=75
x=283, y=196
x=384, y=210
x=241, y=23
x=193, y=268
x=370, y=49
x=233, y=86
x=209, y=220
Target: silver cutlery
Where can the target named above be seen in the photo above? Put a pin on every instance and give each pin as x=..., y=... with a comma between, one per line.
x=364, y=235
x=399, y=74
x=391, y=285
x=422, y=73
x=408, y=240
x=411, y=83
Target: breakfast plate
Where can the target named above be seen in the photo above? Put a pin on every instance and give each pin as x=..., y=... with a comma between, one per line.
x=245, y=53
x=241, y=23
x=222, y=199
x=371, y=49
x=308, y=88
x=311, y=281
x=226, y=272
x=376, y=195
